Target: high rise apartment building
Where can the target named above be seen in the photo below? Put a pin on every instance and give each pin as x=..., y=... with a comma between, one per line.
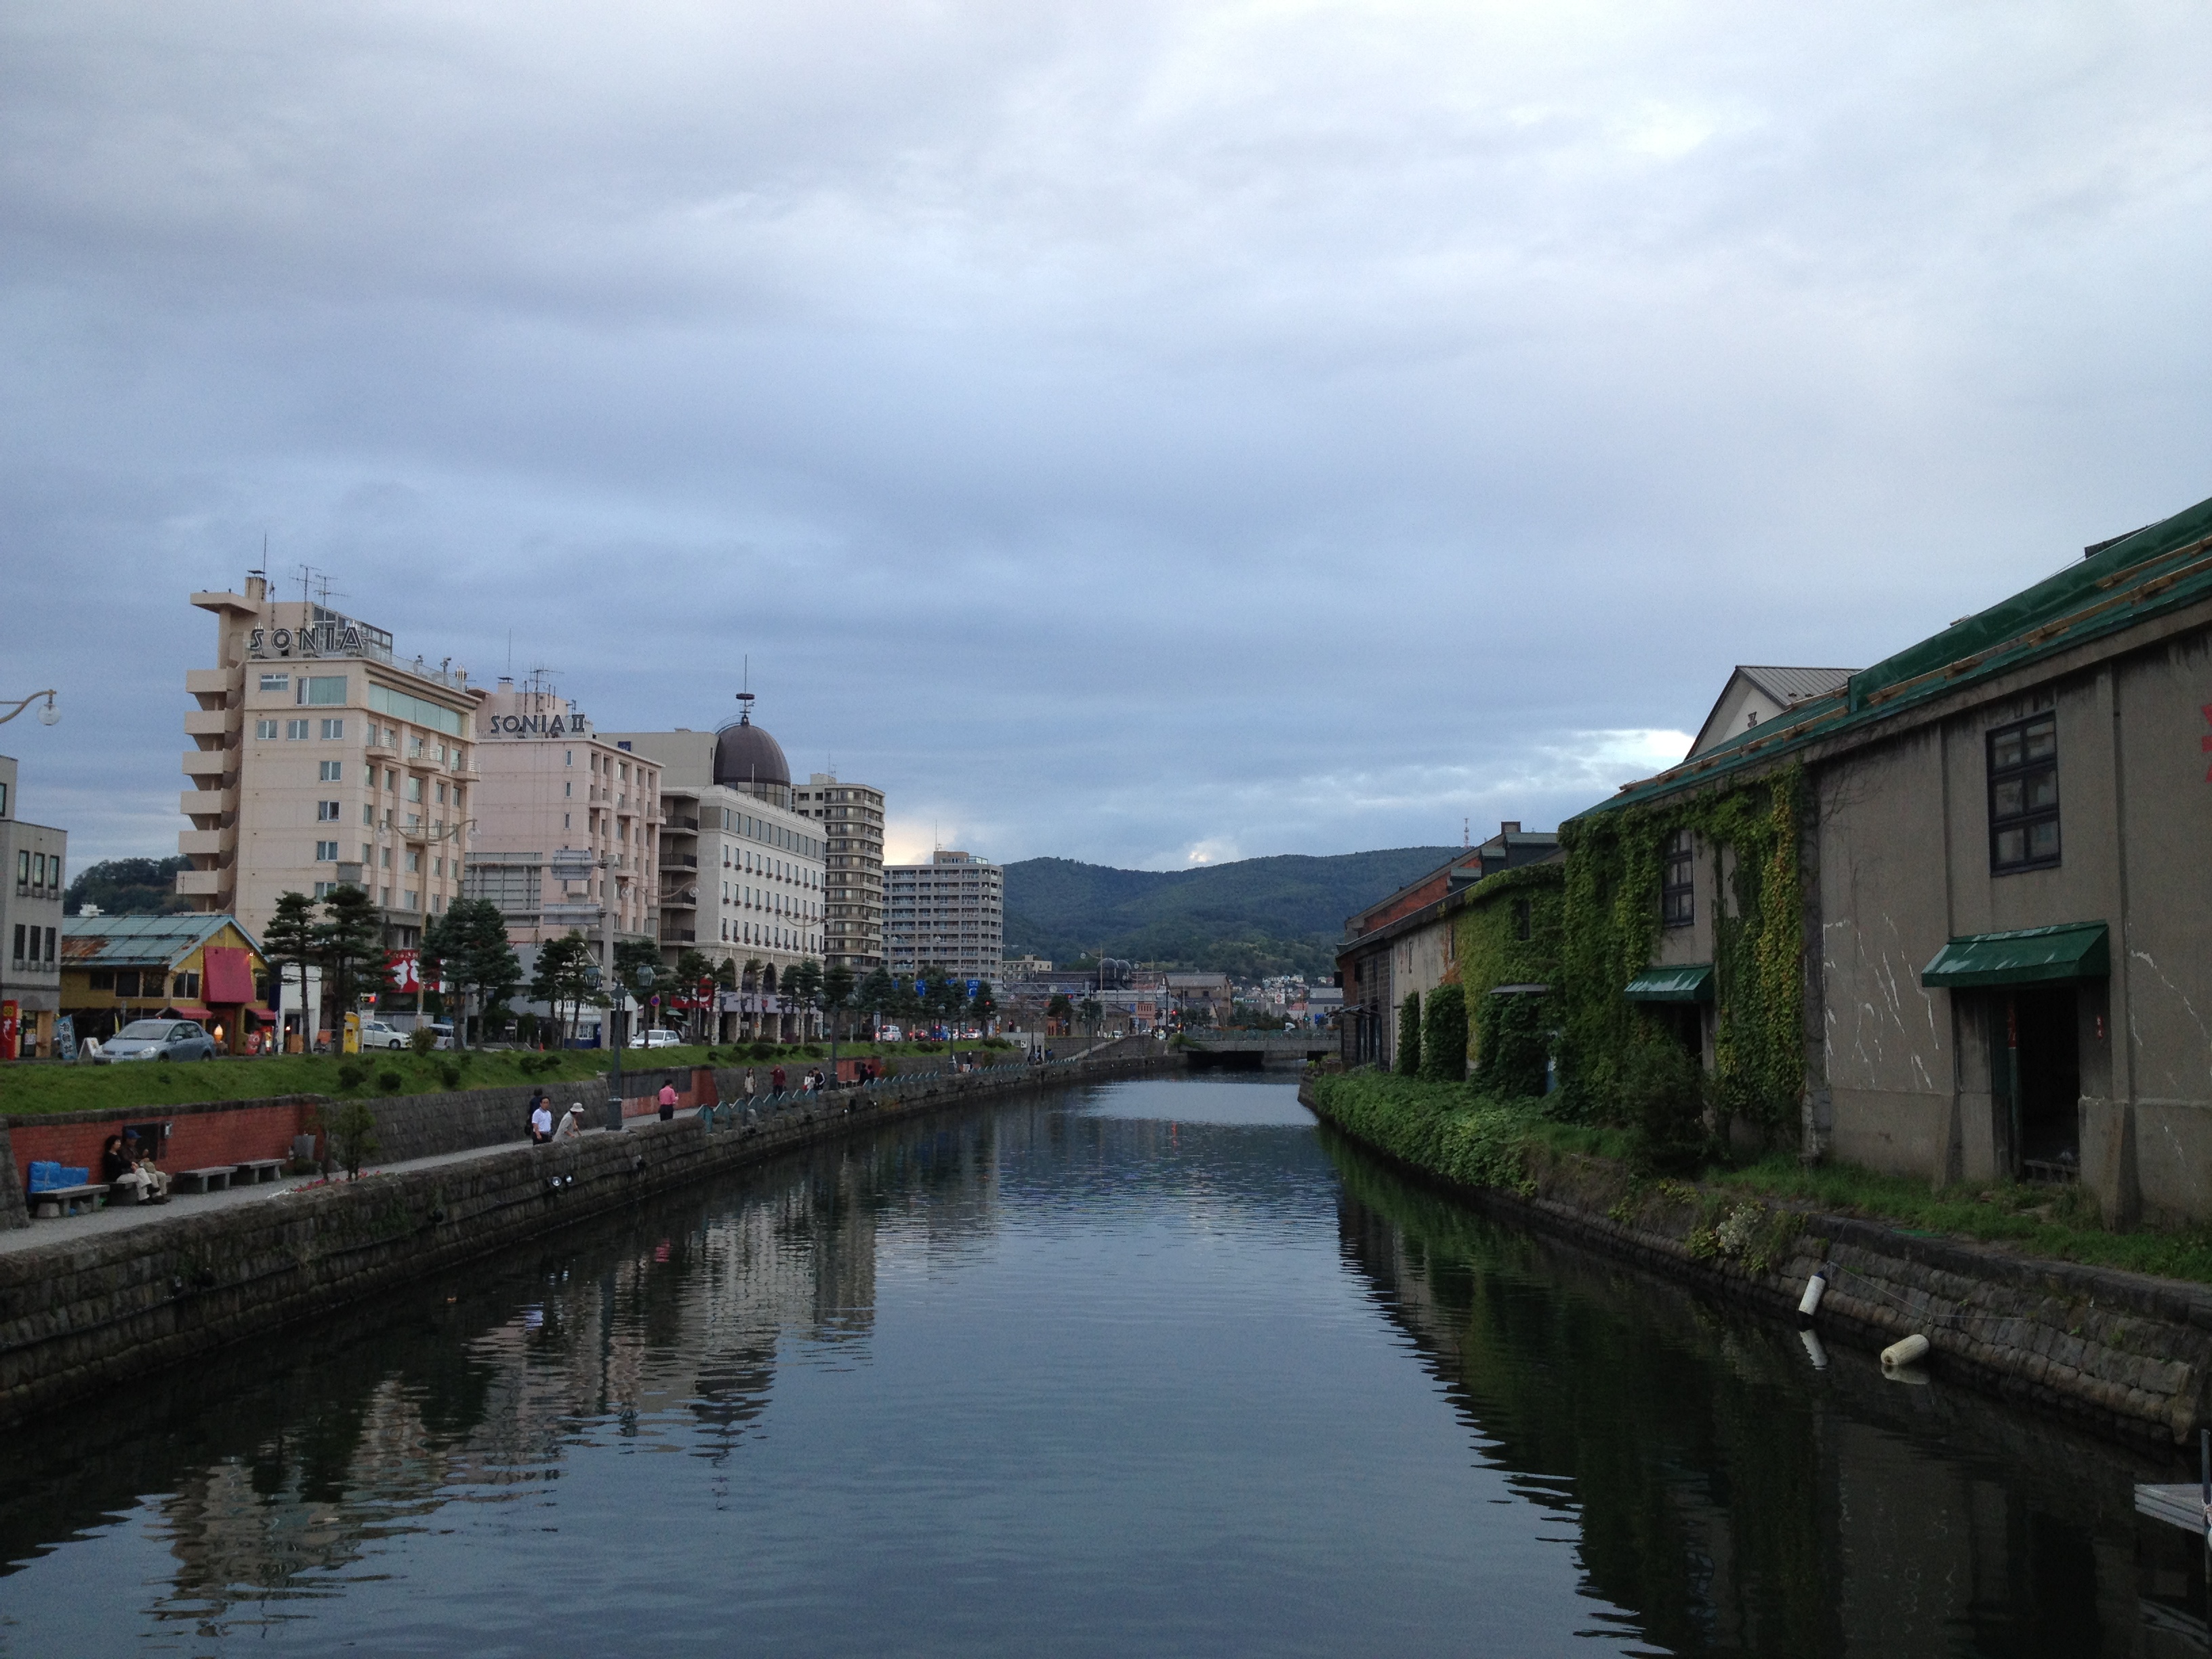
x=320, y=758
x=950, y=911
x=568, y=832
x=742, y=869
x=851, y=816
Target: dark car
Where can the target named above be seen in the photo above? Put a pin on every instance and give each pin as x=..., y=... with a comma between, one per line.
x=157, y=1039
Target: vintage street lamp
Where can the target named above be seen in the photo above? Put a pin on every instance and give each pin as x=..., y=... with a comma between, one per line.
x=644, y=978
x=47, y=715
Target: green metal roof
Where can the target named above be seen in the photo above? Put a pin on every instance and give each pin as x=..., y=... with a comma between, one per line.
x=2159, y=569
x=1693, y=984
x=136, y=941
x=2030, y=955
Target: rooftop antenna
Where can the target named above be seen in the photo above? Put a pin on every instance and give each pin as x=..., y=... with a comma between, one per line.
x=1466, y=834
x=746, y=696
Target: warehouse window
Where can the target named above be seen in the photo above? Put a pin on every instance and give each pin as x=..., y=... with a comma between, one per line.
x=2024, y=795
x=1677, y=883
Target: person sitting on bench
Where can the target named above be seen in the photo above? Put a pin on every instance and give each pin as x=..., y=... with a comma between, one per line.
x=121, y=1166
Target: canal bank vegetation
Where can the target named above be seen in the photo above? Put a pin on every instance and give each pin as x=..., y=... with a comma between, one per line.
x=41, y=1087
x=1722, y=1208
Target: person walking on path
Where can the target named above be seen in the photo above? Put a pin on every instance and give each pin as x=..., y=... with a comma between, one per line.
x=776, y=1080
x=541, y=1119
x=749, y=1082
x=572, y=1126
x=667, y=1102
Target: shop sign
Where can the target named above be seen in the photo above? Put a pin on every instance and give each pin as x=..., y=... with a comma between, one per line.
x=406, y=970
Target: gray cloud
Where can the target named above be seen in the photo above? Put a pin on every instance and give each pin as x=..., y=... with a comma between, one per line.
x=1117, y=431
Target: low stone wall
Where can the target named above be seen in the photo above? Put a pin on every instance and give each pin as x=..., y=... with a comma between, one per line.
x=2129, y=1354
x=93, y=1309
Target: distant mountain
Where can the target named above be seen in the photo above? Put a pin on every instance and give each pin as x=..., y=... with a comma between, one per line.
x=129, y=887
x=1278, y=915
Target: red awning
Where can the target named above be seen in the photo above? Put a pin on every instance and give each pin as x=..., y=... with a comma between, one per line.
x=185, y=1011
x=227, y=974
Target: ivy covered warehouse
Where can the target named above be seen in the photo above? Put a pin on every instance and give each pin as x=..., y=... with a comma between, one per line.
x=1950, y=918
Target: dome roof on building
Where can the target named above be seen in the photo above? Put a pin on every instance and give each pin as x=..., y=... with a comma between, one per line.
x=745, y=755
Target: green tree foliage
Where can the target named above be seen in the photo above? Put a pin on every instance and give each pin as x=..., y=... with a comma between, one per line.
x=1059, y=1008
x=1443, y=1036
x=468, y=948
x=1513, y=1043
x=877, y=994
x=349, y=944
x=1251, y=918
x=838, y=986
x=129, y=887
x=564, y=980
x=1409, y=1036
x=289, y=940
x=982, y=1006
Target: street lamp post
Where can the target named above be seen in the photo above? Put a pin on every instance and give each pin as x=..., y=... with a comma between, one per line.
x=47, y=715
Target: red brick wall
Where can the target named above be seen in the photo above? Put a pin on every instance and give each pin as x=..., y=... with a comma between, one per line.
x=701, y=1091
x=198, y=1140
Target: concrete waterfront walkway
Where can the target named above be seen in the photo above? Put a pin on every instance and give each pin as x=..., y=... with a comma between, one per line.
x=123, y=1216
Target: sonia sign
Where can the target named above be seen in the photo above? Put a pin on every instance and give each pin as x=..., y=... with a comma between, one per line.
x=531, y=725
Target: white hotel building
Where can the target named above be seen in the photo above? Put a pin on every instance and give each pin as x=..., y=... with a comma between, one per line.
x=320, y=758
x=742, y=868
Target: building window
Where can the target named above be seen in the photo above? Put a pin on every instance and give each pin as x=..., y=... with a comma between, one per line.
x=265, y=729
x=102, y=979
x=1523, y=924
x=325, y=889
x=367, y=854
x=326, y=811
x=386, y=856
x=188, y=986
x=2024, y=795
x=411, y=897
x=326, y=851
x=322, y=688
x=276, y=682
x=329, y=770
x=295, y=731
x=19, y=931
x=1677, y=884
x=368, y=815
x=413, y=862
x=334, y=728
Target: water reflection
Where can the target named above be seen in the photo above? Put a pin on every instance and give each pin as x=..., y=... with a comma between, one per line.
x=1161, y=1369
x=1742, y=1500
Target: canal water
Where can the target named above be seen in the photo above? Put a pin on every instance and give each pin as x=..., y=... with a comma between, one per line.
x=1162, y=1368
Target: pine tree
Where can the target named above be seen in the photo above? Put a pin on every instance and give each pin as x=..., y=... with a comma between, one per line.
x=564, y=976
x=349, y=944
x=982, y=1006
x=290, y=941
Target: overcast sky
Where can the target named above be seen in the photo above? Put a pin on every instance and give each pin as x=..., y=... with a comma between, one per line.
x=1137, y=433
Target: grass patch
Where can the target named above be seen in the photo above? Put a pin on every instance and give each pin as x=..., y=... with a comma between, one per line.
x=1746, y=1211
x=30, y=1088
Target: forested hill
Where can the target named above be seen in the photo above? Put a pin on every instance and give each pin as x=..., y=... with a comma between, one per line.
x=1253, y=917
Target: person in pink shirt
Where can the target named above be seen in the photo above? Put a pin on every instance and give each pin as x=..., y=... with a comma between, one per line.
x=667, y=1102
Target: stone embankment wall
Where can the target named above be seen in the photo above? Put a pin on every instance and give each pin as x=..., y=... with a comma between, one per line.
x=100, y=1308
x=2127, y=1353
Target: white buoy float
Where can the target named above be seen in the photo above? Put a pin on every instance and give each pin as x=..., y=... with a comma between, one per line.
x=1905, y=1351
x=1809, y=1304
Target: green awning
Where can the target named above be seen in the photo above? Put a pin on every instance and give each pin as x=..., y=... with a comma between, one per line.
x=1694, y=983
x=2032, y=955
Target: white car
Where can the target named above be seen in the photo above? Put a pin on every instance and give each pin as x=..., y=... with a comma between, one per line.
x=659, y=1037
x=375, y=1034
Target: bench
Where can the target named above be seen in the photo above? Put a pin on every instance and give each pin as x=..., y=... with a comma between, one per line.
x=255, y=1170
x=205, y=1181
x=51, y=1203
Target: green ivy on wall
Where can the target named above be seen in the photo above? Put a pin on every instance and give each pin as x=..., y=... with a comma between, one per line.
x=1489, y=951
x=1610, y=928
x=1409, y=1036
x=1443, y=1036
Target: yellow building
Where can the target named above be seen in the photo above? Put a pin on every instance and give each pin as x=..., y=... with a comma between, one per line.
x=207, y=968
